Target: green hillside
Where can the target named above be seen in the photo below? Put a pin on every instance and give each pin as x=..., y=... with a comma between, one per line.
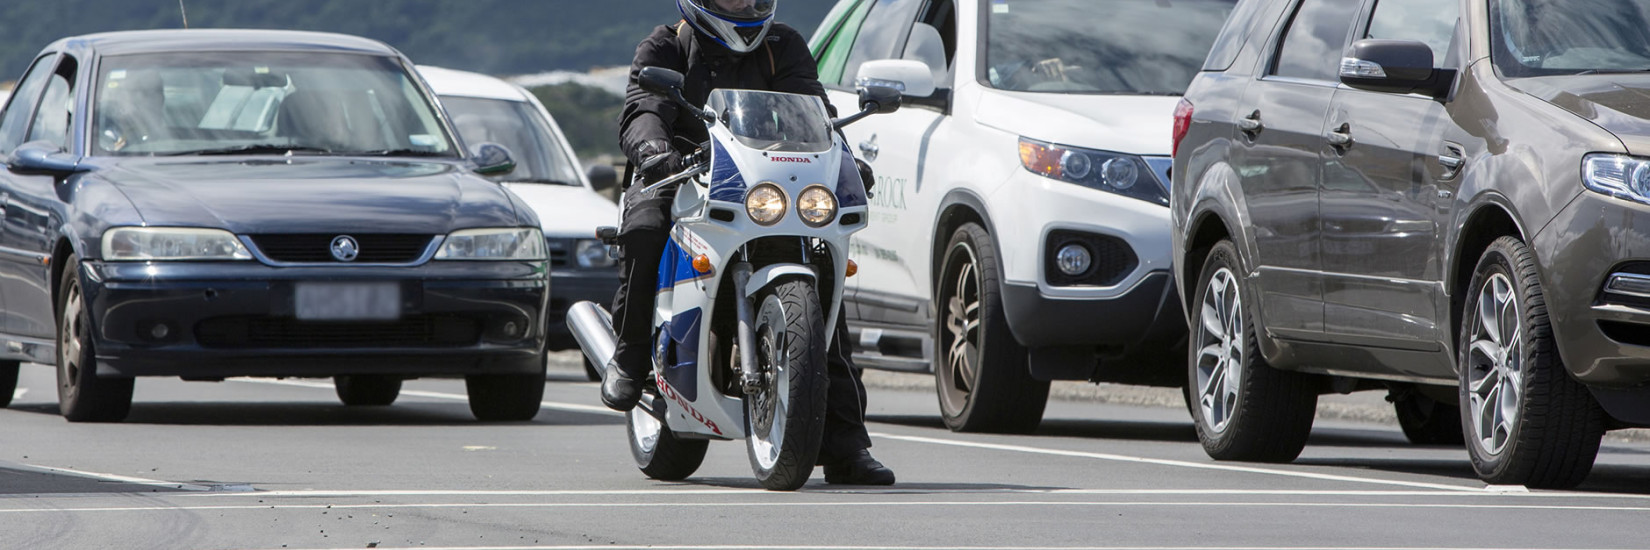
x=490, y=36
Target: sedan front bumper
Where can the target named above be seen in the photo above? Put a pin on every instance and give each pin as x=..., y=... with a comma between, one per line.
x=221, y=319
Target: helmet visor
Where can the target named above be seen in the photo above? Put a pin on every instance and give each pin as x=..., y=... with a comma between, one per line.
x=742, y=11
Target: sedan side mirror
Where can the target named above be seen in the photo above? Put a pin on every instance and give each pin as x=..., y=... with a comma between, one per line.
x=492, y=159
x=1394, y=66
x=41, y=158
x=910, y=78
x=602, y=177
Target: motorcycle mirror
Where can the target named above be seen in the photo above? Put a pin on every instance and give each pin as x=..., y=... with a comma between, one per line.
x=879, y=99
x=659, y=80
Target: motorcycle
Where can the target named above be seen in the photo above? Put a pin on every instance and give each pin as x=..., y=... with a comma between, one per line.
x=750, y=283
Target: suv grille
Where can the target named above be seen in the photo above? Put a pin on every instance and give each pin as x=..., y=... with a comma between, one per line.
x=375, y=248
x=277, y=332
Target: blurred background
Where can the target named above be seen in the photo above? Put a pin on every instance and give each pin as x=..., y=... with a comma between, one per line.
x=571, y=54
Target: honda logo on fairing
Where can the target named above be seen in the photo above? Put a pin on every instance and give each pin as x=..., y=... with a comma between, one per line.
x=802, y=160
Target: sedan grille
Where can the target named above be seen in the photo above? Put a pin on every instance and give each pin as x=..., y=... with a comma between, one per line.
x=374, y=248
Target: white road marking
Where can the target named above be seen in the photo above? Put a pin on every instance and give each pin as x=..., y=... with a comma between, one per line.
x=118, y=478
x=653, y=547
x=835, y=504
x=1167, y=462
x=19, y=393
x=925, y=491
x=574, y=407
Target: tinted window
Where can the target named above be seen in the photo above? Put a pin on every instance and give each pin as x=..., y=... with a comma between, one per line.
x=833, y=55
x=883, y=32
x=15, y=121
x=51, y=121
x=1099, y=46
x=518, y=126
x=1316, y=36
x=1419, y=20
x=1233, y=35
x=1544, y=37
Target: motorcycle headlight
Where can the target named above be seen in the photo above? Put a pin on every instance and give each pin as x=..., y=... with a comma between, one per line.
x=1103, y=170
x=766, y=204
x=1619, y=176
x=593, y=254
x=502, y=243
x=123, y=244
x=816, y=205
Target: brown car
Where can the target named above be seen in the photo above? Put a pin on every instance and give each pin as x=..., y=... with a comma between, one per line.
x=1449, y=201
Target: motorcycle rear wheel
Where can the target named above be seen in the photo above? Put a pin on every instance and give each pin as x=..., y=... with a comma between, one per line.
x=658, y=452
x=786, y=420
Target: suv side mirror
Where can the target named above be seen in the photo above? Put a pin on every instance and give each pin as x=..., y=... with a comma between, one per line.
x=492, y=159
x=41, y=158
x=1394, y=66
x=910, y=78
x=602, y=177
x=659, y=80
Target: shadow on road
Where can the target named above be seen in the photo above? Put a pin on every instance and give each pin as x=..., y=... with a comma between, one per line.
x=323, y=414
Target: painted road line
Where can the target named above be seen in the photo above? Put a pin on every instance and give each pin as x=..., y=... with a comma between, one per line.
x=773, y=547
x=572, y=407
x=1175, y=463
x=894, y=491
x=117, y=478
x=843, y=504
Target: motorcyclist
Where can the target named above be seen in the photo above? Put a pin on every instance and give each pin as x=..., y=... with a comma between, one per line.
x=732, y=44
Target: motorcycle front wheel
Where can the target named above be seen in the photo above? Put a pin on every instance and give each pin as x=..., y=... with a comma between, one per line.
x=786, y=418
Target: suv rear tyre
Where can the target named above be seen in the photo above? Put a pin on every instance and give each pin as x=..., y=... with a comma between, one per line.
x=1244, y=409
x=1509, y=363
x=980, y=371
x=1426, y=421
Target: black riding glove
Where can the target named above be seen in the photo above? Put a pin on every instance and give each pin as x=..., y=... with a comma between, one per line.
x=865, y=175
x=658, y=160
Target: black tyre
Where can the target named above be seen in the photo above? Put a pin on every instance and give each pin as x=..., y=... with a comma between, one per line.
x=367, y=390
x=980, y=370
x=658, y=452
x=505, y=397
x=8, y=382
x=1244, y=409
x=1426, y=421
x=1528, y=423
x=81, y=395
x=786, y=419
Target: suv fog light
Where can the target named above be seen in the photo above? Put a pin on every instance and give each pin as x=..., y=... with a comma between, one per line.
x=1074, y=259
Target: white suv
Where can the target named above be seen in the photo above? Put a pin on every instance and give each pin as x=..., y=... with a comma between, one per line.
x=1020, y=228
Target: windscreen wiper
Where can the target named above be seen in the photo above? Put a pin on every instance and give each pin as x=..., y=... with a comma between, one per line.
x=256, y=149
x=547, y=181
x=396, y=153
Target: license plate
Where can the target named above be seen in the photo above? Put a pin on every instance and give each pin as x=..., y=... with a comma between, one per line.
x=347, y=301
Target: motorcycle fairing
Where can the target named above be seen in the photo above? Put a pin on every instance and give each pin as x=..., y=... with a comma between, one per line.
x=727, y=184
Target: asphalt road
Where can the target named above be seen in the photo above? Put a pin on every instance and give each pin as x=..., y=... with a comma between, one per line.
x=280, y=464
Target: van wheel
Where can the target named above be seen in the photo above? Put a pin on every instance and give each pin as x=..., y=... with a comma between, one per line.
x=1245, y=409
x=1528, y=422
x=367, y=390
x=81, y=395
x=980, y=371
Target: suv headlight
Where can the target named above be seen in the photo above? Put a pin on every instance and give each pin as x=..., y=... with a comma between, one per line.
x=502, y=243
x=124, y=244
x=1619, y=176
x=1126, y=175
x=593, y=254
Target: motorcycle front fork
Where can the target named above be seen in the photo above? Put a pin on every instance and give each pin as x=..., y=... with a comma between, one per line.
x=750, y=379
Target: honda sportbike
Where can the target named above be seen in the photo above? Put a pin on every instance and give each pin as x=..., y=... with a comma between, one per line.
x=750, y=284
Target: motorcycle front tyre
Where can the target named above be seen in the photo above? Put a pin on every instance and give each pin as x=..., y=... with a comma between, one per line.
x=786, y=419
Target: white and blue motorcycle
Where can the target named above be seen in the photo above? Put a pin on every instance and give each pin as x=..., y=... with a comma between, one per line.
x=749, y=284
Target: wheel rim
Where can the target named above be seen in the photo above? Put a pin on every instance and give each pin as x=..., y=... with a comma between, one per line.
x=69, y=343
x=1220, y=340
x=644, y=430
x=960, y=332
x=767, y=409
x=1495, y=364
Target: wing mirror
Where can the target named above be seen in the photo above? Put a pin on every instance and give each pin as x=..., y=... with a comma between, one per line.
x=668, y=83
x=41, y=158
x=1394, y=66
x=602, y=177
x=492, y=159
x=910, y=78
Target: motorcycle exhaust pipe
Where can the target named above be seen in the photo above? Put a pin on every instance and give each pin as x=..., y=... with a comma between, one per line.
x=592, y=327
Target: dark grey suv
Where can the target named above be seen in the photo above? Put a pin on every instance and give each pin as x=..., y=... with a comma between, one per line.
x=1448, y=201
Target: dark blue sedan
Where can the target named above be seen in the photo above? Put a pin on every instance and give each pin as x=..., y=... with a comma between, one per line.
x=207, y=204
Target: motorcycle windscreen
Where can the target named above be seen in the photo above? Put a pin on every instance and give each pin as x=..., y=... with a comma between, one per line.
x=773, y=121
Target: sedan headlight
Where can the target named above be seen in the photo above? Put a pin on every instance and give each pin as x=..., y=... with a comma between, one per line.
x=816, y=205
x=766, y=204
x=1126, y=175
x=1619, y=176
x=504, y=243
x=122, y=244
x=593, y=254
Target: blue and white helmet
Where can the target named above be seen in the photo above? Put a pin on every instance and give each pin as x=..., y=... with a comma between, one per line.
x=740, y=25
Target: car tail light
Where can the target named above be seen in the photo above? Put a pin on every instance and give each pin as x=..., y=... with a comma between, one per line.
x=1182, y=123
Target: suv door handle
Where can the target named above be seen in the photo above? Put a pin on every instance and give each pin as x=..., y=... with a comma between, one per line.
x=1452, y=159
x=1340, y=137
x=869, y=149
x=1251, y=124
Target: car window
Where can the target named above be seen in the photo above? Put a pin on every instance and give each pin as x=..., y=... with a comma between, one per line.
x=15, y=121
x=833, y=56
x=1099, y=46
x=933, y=40
x=51, y=121
x=1233, y=35
x=880, y=37
x=519, y=127
x=1419, y=20
x=1551, y=37
x=1314, y=40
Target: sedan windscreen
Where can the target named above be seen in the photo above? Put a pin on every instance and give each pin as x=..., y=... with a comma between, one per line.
x=181, y=103
x=1551, y=37
x=518, y=126
x=1100, y=46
